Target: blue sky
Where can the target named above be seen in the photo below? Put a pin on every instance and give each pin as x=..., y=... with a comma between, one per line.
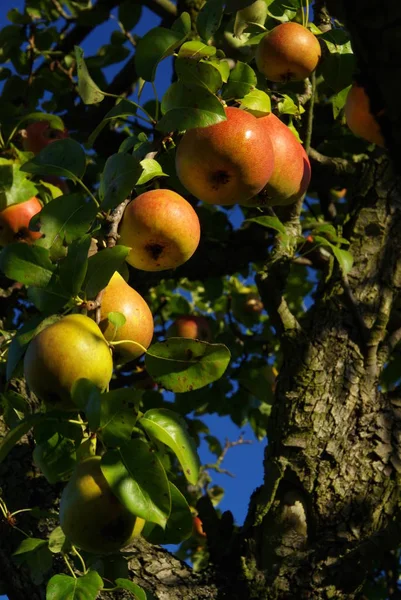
x=245, y=461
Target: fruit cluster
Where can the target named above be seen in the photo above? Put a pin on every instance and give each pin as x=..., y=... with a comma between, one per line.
x=244, y=159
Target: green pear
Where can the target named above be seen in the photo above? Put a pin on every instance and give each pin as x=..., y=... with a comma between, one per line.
x=91, y=516
x=73, y=348
x=120, y=297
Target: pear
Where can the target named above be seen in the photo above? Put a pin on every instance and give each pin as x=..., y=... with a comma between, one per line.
x=14, y=222
x=40, y=134
x=118, y=296
x=289, y=52
x=359, y=117
x=195, y=327
x=162, y=230
x=91, y=516
x=73, y=348
x=226, y=163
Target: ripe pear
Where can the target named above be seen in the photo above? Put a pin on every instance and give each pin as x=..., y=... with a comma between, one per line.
x=226, y=163
x=91, y=516
x=162, y=230
x=40, y=134
x=292, y=172
x=14, y=222
x=289, y=52
x=118, y=296
x=359, y=117
x=195, y=327
x=70, y=349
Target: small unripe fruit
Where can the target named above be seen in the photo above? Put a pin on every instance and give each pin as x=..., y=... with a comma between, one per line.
x=289, y=52
x=162, y=230
x=226, y=163
x=359, y=117
x=91, y=516
x=14, y=222
x=70, y=349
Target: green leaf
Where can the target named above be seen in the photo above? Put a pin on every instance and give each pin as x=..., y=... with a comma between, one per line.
x=182, y=25
x=118, y=415
x=72, y=269
x=87, y=88
x=14, y=185
x=170, y=428
x=130, y=586
x=270, y=222
x=188, y=107
x=55, y=457
x=156, y=44
x=138, y=479
x=129, y=14
x=64, y=220
x=182, y=365
x=201, y=73
x=101, y=267
x=22, y=339
x=54, y=121
x=35, y=553
x=64, y=158
x=338, y=101
x=196, y=50
x=29, y=545
x=64, y=587
x=50, y=299
x=14, y=435
x=27, y=264
x=151, y=169
x=257, y=102
x=337, y=70
x=242, y=80
x=119, y=177
x=58, y=542
x=125, y=108
x=179, y=525
x=117, y=319
x=209, y=18
x=287, y=106
x=345, y=259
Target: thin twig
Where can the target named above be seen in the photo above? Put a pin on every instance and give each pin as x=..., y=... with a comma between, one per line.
x=114, y=220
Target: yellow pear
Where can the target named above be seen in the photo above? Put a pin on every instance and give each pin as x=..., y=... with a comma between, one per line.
x=118, y=296
x=73, y=348
x=91, y=516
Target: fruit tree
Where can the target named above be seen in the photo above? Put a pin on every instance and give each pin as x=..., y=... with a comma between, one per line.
x=200, y=215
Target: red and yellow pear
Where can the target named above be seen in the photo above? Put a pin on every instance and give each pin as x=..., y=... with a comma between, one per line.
x=195, y=327
x=226, y=163
x=40, y=134
x=291, y=174
x=162, y=230
x=289, y=52
x=70, y=349
x=14, y=222
x=120, y=297
x=359, y=117
x=91, y=516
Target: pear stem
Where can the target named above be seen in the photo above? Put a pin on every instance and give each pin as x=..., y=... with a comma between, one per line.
x=129, y=342
x=84, y=567
x=67, y=562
